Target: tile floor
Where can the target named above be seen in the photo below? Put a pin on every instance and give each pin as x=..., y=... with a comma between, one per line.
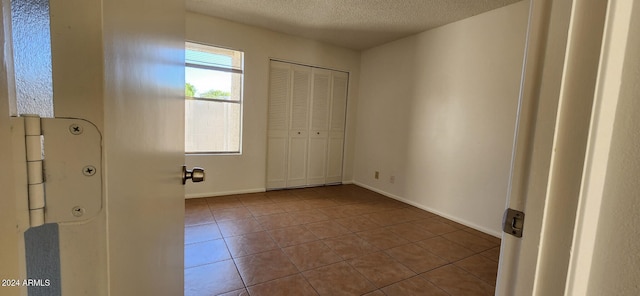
x=333, y=240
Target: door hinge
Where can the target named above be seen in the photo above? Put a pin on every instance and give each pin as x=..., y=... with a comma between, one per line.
x=513, y=222
x=63, y=168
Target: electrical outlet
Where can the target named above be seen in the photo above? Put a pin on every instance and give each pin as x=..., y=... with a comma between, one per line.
x=392, y=179
x=376, y=175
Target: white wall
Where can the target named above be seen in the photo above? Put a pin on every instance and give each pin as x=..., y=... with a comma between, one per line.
x=437, y=111
x=247, y=172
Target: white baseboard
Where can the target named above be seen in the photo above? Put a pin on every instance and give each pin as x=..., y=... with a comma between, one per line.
x=347, y=182
x=210, y=194
x=434, y=211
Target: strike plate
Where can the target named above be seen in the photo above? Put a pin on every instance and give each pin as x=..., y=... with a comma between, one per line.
x=513, y=222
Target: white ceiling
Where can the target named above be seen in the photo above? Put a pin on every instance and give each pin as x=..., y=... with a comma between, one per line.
x=356, y=24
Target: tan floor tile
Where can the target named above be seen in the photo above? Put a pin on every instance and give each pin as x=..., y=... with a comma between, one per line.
x=375, y=293
x=308, y=193
x=249, y=244
x=344, y=200
x=294, y=206
x=255, y=227
x=491, y=238
x=458, y=282
x=223, y=202
x=290, y=236
x=311, y=255
x=239, y=227
x=420, y=213
x=292, y=285
x=339, y=279
x=308, y=216
x=254, y=199
x=415, y=286
x=350, y=246
x=445, y=248
x=470, y=241
x=357, y=209
x=358, y=223
x=480, y=266
x=386, y=218
x=412, y=213
x=380, y=269
x=334, y=212
x=191, y=203
x=435, y=226
x=241, y=292
x=449, y=222
x=212, y=279
x=318, y=203
x=493, y=254
x=382, y=238
x=205, y=252
x=201, y=233
x=274, y=221
x=416, y=258
x=263, y=267
x=231, y=214
x=327, y=229
x=265, y=209
x=281, y=196
x=388, y=203
x=411, y=231
x=197, y=212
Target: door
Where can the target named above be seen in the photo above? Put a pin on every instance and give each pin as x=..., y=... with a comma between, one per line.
x=299, y=126
x=123, y=71
x=319, y=128
x=561, y=62
x=278, y=125
x=12, y=242
x=335, y=145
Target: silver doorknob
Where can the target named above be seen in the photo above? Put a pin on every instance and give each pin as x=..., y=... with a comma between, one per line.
x=196, y=174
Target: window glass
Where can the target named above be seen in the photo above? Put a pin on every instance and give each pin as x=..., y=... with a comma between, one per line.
x=213, y=99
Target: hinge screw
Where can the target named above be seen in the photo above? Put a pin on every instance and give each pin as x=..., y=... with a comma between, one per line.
x=75, y=129
x=77, y=211
x=89, y=170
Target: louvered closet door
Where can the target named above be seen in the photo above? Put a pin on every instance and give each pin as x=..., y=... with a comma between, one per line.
x=318, y=133
x=299, y=127
x=278, y=124
x=337, y=121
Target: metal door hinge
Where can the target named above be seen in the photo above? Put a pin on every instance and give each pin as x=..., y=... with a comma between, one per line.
x=63, y=168
x=513, y=222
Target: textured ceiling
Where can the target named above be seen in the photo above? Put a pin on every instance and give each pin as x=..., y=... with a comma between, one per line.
x=356, y=24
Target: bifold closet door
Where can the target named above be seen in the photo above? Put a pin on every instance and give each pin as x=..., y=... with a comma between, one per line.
x=299, y=126
x=335, y=146
x=318, y=133
x=278, y=124
x=305, y=125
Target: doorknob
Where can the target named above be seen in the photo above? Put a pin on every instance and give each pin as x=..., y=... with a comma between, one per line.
x=196, y=174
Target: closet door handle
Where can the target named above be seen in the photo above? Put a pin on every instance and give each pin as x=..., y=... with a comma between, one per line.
x=298, y=133
x=318, y=133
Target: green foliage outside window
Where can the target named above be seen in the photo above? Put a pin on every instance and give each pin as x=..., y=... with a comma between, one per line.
x=191, y=91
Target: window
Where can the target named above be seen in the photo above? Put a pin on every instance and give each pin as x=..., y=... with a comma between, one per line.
x=213, y=99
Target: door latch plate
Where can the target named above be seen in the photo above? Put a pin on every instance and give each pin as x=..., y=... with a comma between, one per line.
x=513, y=222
